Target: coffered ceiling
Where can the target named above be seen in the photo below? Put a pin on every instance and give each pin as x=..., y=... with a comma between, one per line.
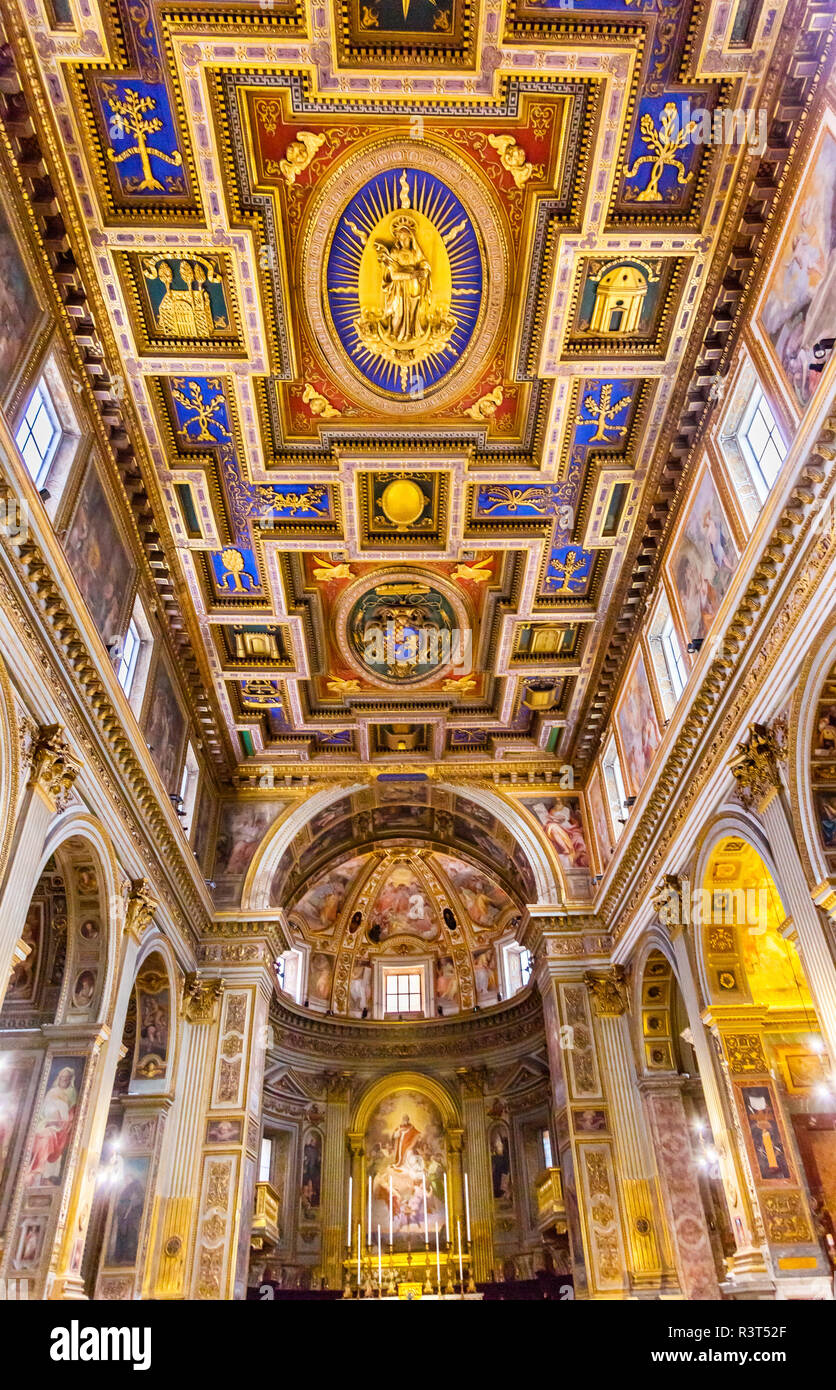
x=415, y=310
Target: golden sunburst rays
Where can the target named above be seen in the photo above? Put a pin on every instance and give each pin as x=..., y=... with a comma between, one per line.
x=407, y=194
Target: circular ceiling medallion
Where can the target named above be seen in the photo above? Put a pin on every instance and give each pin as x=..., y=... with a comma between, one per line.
x=403, y=629
x=404, y=268
x=403, y=281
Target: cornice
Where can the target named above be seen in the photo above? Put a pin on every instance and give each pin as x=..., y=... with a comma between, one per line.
x=797, y=67
x=793, y=560
x=26, y=130
x=300, y=1035
x=47, y=630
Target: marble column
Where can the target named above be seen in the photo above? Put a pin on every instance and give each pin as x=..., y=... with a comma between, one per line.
x=334, y=1187
x=748, y=1267
x=756, y=769
x=649, y=1254
x=53, y=772
x=66, y=1268
x=174, y=1202
x=478, y=1169
x=227, y=1177
x=670, y=1134
x=586, y=1153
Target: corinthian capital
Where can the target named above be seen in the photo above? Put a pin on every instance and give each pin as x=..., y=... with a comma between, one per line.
x=200, y=998
x=54, y=767
x=754, y=766
x=608, y=991
x=141, y=908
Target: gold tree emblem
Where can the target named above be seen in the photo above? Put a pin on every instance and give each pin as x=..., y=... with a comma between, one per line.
x=573, y=562
x=665, y=143
x=129, y=113
x=204, y=413
x=603, y=411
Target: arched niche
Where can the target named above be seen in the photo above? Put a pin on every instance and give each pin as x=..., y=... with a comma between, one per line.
x=735, y=890
x=66, y=977
x=746, y=954
x=404, y=1125
x=79, y=845
x=812, y=759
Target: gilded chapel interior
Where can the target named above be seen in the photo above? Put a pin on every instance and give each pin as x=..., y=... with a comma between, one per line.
x=418, y=650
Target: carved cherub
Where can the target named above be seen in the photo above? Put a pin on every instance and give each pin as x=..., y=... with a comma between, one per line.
x=458, y=685
x=512, y=157
x=339, y=686
x=478, y=572
x=299, y=154
x=486, y=406
x=318, y=403
x=328, y=570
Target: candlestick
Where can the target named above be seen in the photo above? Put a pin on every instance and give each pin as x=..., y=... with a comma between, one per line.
x=461, y=1271
x=437, y=1261
x=390, y=1210
x=349, y=1213
x=379, y=1263
x=359, y=1243
x=446, y=1211
x=467, y=1207
x=426, y=1218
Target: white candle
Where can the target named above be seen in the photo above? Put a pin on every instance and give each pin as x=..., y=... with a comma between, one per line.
x=426, y=1217
x=437, y=1259
x=379, y=1261
x=446, y=1211
x=349, y=1212
x=461, y=1273
x=359, y=1243
x=467, y=1206
x=390, y=1209
x=369, y=1218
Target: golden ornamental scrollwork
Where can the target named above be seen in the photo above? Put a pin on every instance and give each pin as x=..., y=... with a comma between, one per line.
x=54, y=767
x=200, y=998
x=608, y=991
x=745, y=1053
x=785, y=1218
x=141, y=907
x=754, y=766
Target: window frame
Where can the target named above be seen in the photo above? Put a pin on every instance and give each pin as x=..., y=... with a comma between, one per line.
x=395, y=976
x=759, y=405
x=127, y=667
x=611, y=760
x=26, y=426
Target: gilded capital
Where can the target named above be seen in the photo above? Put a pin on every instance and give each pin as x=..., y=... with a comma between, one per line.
x=141, y=908
x=754, y=766
x=472, y=1080
x=608, y=991
x=200, y=998
x=54, y=767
